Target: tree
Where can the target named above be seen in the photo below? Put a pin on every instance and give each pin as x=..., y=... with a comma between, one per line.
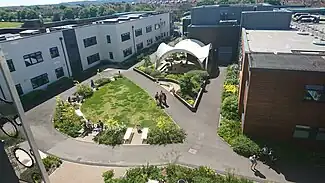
x=84, y=13
x=68, y=14
x=12, y=16
x=22, y=14
x=62, y=7
x=56, y=17
x=93, y=11
x=273, y=2
x=206, y=2
x=127, y=7
x=101, y=11
x=31, y=14
x=109, y=11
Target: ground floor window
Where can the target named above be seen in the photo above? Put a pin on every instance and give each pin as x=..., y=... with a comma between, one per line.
x=93, y=58
x=140, y=46
x=111, y=56
x=127, y=52
x=59, y=72
x=302, y=131
x=19, y=89
x=39, y=80
x=149, y=42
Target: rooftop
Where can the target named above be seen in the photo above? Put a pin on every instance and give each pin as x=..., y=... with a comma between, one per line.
x=280, y=41
x=288, y=61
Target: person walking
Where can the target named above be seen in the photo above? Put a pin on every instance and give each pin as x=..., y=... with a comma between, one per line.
x=164, y=98
x=92, y=84
x=253, y=160
x=157, y=98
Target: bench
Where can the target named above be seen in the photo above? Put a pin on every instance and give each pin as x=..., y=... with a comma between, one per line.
x=144, y=134
x=127, y=135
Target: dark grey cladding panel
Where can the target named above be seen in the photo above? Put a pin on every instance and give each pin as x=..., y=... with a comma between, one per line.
x=71, y=45
x=7, y=173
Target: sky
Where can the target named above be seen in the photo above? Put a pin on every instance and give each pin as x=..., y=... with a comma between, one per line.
x=30, y=2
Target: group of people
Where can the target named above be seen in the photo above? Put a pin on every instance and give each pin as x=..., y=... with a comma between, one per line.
x=88, y=127
x=267, y=156
x=76, y=98
x=161, y=99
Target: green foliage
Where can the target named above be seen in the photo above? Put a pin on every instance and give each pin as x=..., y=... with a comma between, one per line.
x=112, y=135
x=108, y=175
x=206, y=2
x=166, y=132
x=232, y=75
x=31, y=175
x=61, y=83
x=176, y=77
x=245, y=146
x=84, y=90
x=31, y=97
x=102, y=81
x=65, y=119
x=51, y=162
x=191, y=83
x=190, y=101
x=229, y=108
x=228, y=129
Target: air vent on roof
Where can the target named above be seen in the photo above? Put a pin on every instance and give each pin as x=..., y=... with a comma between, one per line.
x=319, y=42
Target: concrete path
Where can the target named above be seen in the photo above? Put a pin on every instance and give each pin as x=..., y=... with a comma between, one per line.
x=202, y=146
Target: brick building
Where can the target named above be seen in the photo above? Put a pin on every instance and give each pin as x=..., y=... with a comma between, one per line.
x=282, y=88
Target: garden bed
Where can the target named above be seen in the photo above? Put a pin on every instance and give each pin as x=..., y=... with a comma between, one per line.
x=190, y=102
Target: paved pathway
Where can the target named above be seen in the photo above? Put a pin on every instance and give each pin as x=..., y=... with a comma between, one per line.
x=202, y=146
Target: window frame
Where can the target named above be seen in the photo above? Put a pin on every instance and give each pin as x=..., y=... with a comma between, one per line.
x=11, y=65
x=127, y=52
x=90, y=41
x=59, y=72
x=43, y=76
x=141, y=47
x=29, y=58
x=149, y=28
x=56, y=53
x=111, y=55
x=93, y=58
x=138, y=32
x=108, y=39
x=149, y=42
x=128, y=36
x=316, y=88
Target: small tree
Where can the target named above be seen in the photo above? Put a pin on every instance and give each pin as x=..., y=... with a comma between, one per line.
x=84, y=90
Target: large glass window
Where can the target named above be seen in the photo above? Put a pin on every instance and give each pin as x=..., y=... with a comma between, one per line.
x=93, y=58
x=108, y=38
x=59, y=72
x=39, y=80
x=140, y=46
x=315, y=93
x=90, y=41
x=11, y=65
x=149, y=28
x=125, y=36
x=111, y=56
x=138, y=32
x=54, y=52
x=127, y=52
x=33, y=58
x=301, y=132
x=19, y=89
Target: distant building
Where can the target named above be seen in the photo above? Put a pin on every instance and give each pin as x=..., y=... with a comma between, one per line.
x=37, y=58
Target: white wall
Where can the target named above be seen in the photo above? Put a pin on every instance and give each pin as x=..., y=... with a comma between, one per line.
x=104, y=30
x=87, y=32
x=16, y=49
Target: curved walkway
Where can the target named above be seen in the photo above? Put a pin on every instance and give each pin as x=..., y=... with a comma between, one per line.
x=202, y=147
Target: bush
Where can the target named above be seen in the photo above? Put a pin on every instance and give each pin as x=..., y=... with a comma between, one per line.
x=232, y=75
x=245, y=146
x=166, y=132
x=65, y=119
x=102, y=81
x=62, y=83
x=190, y=101
x=108, y=175
x=229, y=108
x=51, y=162
x=229, y=130
x=33, y=96
x=31, y=175
x=84, y=90
x=112, y=135
x=229, y=90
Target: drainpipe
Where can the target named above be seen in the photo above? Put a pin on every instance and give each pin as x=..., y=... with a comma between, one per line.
x=135, y=50
x=65, y=57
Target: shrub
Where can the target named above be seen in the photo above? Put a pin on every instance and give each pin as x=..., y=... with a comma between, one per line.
x=65, y=119
x=33, y=96
x=229, y=108
x=31, y=175
x=166, y=132
x=51, y=162
x=232, y=75
x=175, y=77
x=112, y=135
x=245, y=146
x=84, y=90
x=202, y=75
x=108, y=175
x=229, y=90
x=102, y=81
x=228, y=130
x=190, y=101
x=64, y=83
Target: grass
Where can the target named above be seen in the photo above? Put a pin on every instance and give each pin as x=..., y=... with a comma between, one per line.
x=10, y=24
x=125, y=102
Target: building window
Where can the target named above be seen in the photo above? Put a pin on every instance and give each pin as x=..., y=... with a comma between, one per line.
x=33, y=58
x=140, y=46
x=315, y=93
x=157, y=26
x=138, y=32
x=59, y=72
x=149, y=42
x=90, y=41
x=127, y=52
x=164, y=34
x=54, y=52
x=148, y=28
x=167, y=33
x=93, y=58
x=111, y=56
x=11, y=65
x=301, y=132
x=320, y=134
x=125, y=36
x=19, y=89
x=39, y=80
x=108, y=38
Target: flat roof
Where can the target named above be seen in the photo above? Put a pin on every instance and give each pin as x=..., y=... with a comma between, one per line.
x=283, y=41
x=287, y=62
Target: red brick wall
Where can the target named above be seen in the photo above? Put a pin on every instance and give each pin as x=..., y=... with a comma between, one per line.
x=276, y=103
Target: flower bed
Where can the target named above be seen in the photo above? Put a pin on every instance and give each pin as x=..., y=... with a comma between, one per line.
x=192, y=83
x=230, y=125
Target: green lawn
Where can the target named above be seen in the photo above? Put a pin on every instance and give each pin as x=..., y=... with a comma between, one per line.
x=10, y=24
x=125, y=102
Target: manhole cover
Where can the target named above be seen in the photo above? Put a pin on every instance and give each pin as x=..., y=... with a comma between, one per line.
x=192, y=151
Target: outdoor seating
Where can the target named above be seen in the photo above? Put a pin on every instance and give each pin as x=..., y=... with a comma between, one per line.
x=144, y=134
x=128, y=135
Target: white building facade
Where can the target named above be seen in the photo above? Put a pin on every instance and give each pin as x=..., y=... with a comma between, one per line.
x=38, y=60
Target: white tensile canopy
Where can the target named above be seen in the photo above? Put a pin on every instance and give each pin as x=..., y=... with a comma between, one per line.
x=190, y=46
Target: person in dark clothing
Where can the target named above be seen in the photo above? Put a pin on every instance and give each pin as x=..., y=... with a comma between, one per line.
x=164, y=98
x=157, y=98
x=101, y=125
x=92, y=84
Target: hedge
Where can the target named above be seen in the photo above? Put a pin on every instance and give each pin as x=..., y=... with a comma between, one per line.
x=229, y=108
